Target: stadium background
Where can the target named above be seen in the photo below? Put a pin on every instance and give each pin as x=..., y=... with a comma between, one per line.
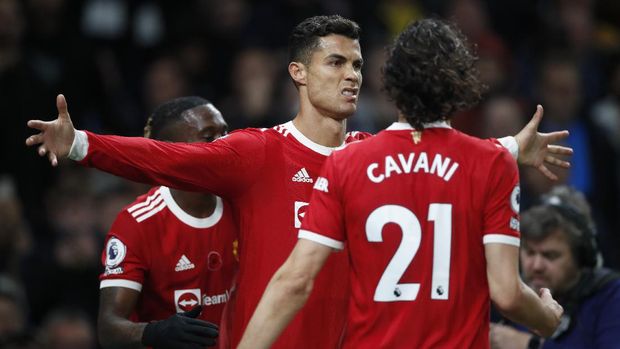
x=115, y=60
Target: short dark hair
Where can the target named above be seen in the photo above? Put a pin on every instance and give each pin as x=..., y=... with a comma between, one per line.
x=305, y=36
x=564, y=209
x=430, y=72
x=170, y=112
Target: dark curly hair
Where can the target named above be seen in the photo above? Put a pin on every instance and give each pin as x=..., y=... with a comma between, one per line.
x=305, y=36
x=169, y=113
x=430, y=72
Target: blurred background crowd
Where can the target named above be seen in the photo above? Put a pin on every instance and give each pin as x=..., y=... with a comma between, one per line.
x=116, y=60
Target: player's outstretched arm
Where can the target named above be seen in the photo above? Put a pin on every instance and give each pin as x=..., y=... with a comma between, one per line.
x=515, y=300
x=55, y=137
x=538, y=149
x=286, y=293
x=181, y=331
x=224, y=167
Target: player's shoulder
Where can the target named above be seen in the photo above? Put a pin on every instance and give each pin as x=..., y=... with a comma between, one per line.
x=148, y=217
x=250, y=134
x=350, y=146
x=266, y=135
x=143, y=207
x=483, y=150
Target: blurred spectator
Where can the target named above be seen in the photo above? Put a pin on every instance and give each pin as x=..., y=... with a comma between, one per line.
x=15, y=239
x=67, y=260
x=502, y=115
x=11, y=31
x=559, y=252
x=494, y=57
x=164, y=81
x=13, y=309
x=606, y=112
x=592, y=171
x=67, y=328
x=253, y=82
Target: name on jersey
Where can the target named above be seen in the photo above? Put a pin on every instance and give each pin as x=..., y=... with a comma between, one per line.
x=439, y=165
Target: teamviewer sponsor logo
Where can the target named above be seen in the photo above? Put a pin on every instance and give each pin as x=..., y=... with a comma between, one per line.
x=300, y=212
x=302, y=176
x=185, y=300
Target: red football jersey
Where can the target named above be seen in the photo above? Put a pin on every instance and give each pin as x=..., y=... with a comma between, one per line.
x=415, y=210
x=267, y=175
x=175, y=260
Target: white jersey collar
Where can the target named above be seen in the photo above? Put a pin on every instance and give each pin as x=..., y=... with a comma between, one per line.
x=321, y=149
x=186, y=218
x=406, y=126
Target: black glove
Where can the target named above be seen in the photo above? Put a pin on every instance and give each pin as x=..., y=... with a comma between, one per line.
x=180, y=331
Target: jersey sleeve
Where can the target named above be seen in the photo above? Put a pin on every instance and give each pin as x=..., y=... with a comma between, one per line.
x=501, y=205
x=124, y=257
x=510, y=143
x=324, y=220
x=224, y=167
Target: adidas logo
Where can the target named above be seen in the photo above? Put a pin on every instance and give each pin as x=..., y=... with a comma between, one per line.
x=302, y=176
x=184, y=264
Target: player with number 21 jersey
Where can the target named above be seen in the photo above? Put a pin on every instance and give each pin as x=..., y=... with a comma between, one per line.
x=420, y=206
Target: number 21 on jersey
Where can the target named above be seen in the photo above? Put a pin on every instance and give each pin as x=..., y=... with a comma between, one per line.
x=388, y=289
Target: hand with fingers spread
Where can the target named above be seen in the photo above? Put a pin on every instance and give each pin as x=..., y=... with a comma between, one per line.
x=538, y=149
x=54, y=137
x=181, y=331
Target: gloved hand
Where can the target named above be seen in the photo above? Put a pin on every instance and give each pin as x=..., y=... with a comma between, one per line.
x=180, y=331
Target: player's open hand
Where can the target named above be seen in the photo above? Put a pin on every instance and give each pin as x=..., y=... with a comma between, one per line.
x=55, y=137
x=538, y=149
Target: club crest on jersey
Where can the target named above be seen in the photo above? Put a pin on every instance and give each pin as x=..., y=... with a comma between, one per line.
x=416, y=136
x=515, y=199
x=302, y=176
x=185, y=300
x=115, y=252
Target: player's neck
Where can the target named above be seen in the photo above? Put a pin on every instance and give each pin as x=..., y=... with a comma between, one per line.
x=321, y=129
x=197, y=205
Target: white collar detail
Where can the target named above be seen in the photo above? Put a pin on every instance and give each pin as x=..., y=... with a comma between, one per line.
x=186, y=218
x=321, y=149
x=397, y=126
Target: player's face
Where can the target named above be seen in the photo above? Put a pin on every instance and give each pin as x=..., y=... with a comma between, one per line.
x=203, y=123
x=335, y=76
x=549, y=263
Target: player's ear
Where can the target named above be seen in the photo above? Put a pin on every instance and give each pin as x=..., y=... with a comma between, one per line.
x=298, y=72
